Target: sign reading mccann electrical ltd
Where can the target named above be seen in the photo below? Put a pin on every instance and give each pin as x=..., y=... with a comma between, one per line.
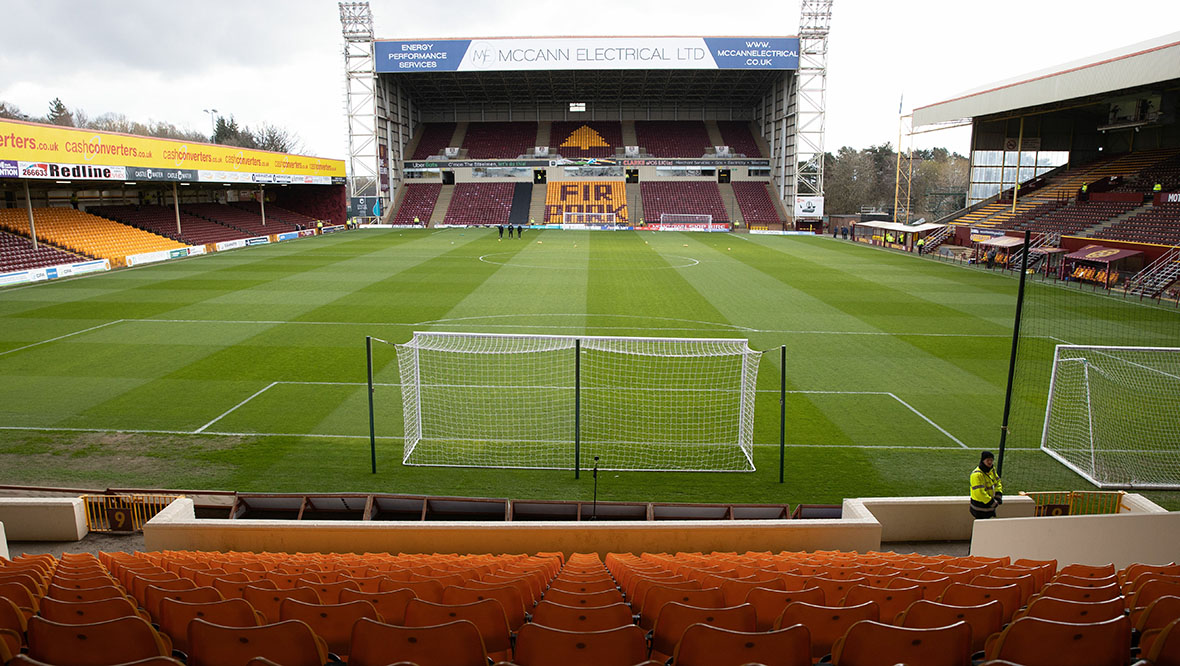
x=549, y=53
x=30, y=150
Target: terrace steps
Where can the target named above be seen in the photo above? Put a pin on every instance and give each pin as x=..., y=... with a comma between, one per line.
x=441, y=205
x=714, y=133
x=635, y=203
x=629, y=136
x=537, y=205
x=729, y=198
x=459, y=135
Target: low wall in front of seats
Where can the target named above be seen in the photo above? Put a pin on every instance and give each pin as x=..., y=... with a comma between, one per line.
x=933, y=518
x=3, y=543
x=177, y=528
x=43, y=518
x=1144, y=533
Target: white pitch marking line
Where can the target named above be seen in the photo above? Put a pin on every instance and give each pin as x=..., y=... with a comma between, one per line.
x=555, y=326
x=231, y=409
x=923, y=417
x=62, y=337
x=215, y=433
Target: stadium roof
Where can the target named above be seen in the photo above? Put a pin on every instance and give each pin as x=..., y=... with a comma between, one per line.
x=1143, y=64
x=730, y=87
x=731, y=71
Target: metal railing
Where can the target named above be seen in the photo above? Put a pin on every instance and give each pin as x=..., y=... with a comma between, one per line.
x=1077, y=502
x=123, y=513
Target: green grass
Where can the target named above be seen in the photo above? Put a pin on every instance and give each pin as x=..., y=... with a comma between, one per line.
x=104, y=380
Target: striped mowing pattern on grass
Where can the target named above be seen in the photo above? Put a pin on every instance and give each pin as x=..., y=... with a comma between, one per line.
x=894, y=364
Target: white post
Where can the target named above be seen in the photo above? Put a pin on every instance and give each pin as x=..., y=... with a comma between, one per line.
x=176, y=207
x=1089, y=415
x=262, y=203
x=32, y=225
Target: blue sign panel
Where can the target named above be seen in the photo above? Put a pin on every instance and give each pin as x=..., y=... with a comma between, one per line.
x=758, y=53
x=441, y=55
x=586, y=53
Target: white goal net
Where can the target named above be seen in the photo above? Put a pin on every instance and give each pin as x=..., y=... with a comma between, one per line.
x=1113, y=415
x=532, y=401
x=685, y=218
x=588, y=218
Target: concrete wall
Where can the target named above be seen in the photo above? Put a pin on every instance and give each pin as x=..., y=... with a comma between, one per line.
x=44, y=518
x=175, y=528
x=1146, y=533
x=934, y=518
x=3, y=543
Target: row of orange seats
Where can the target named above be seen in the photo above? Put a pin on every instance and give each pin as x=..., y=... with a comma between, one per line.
x=687, y=606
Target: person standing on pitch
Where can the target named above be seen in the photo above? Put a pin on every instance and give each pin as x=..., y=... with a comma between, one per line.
x=500, y=228
x=986, y=489
x=519, y=231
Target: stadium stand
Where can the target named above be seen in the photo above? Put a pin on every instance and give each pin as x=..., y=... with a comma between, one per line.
x=315, y=204
x=682, y=197
x=418, y=202
x=1157, y=224
x=162, y=220
x=274, y=212
x=755, y=202
x=480, y=203
x=435, y=137
x=317, y=601
x=17, y=254
x=585, y=139
x=1077, y=216
x=739, y=138
x=671, y=138
x=86, y=234
x=585, y=197
x=237, y=218
x=485, y=140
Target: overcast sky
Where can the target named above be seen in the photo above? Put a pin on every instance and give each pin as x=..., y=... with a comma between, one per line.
x=281, y=61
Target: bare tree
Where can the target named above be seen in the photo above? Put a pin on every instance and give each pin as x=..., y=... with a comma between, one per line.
x=277, y=139
x=11, y=112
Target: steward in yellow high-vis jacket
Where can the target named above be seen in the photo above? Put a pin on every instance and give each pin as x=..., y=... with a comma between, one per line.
x=986, y=490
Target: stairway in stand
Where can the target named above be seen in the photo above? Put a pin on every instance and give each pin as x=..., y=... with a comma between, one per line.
x=440, y=206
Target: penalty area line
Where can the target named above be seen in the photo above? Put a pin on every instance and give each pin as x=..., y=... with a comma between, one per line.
x=62, y=337
x=927, y=420
x=218, y=433
x=232, y=409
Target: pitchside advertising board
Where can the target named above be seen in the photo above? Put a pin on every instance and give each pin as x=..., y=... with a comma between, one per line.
x=48, y=152
x=569, y=53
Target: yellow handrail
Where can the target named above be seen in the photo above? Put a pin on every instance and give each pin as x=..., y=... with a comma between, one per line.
x=1077, y=502
x=122, y=513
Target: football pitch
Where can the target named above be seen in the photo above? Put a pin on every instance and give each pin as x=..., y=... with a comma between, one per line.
x=246, y=370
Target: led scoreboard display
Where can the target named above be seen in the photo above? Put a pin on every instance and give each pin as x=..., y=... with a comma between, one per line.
x=572, y=53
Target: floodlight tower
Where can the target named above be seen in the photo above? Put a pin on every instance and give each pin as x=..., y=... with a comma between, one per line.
x=815, y=20
x=356, y=19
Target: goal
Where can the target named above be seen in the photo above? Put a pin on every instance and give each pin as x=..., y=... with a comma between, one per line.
x=686, y=218
x=1113, y=415
x=563, y=402
x=588, y=218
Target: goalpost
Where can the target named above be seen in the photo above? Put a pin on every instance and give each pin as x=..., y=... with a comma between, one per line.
x=588, y=218
x=687, y=218
x=1113, y=415
x=560, y=402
